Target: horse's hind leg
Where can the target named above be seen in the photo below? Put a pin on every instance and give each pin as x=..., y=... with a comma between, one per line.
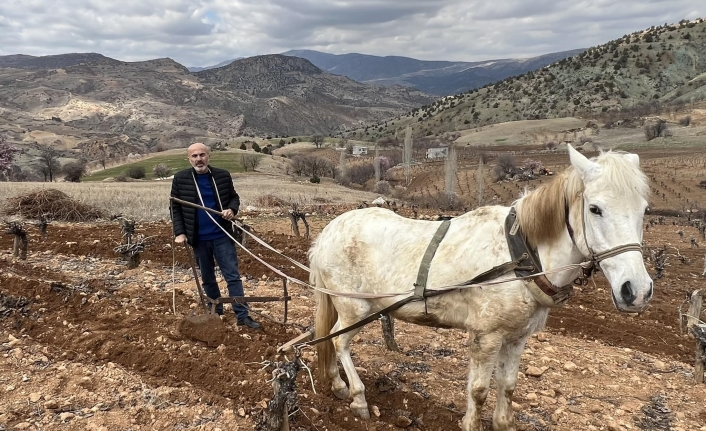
x=483, y=354
x=506, y=378
x=338, y=386
x=359, y=407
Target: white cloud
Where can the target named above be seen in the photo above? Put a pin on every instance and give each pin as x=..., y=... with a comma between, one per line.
x=202, y=32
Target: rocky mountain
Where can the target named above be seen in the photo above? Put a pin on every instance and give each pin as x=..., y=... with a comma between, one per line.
x=21, y=61
x=159, y=102
x=433, y=77
x=641, y=72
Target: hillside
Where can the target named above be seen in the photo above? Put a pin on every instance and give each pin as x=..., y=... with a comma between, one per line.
x=159, y=102
x=221, y=64
x=640, y=73
x=434, y=77
x=21, y=61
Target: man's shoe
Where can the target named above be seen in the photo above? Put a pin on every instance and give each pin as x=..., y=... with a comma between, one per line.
x=247, y=321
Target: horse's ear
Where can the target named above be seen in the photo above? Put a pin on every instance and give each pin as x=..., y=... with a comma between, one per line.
x=586, y=169
x=634, y=158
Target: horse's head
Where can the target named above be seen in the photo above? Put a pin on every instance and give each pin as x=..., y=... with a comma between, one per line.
x=614, y=200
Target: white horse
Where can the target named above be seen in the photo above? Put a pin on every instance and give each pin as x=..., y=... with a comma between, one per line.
x=594, y=206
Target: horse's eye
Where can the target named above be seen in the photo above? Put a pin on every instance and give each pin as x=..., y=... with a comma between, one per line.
x=595, y=210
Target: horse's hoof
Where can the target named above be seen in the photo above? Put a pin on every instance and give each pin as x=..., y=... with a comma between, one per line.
x=341, y=393
x=361, y=412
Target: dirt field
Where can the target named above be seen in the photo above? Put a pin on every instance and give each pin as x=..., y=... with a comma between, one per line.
x=88, y=344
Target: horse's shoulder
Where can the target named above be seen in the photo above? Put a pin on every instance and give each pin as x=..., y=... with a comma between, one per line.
x=487, y=213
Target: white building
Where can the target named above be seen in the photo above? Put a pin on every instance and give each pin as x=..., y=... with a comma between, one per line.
x=358, y=150
x=437, y=153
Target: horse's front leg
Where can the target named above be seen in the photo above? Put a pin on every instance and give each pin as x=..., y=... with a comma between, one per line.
x=359, y=407
x=483, y=355
x=506, y=379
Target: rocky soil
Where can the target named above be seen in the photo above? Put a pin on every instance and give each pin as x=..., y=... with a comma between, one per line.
x=87, y=344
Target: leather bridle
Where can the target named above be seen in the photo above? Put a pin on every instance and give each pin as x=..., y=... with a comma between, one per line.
x=596, y=258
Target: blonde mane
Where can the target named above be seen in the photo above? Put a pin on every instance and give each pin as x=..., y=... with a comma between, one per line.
x=542, y=212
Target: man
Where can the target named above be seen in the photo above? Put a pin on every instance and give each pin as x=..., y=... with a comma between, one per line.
x=212, y=188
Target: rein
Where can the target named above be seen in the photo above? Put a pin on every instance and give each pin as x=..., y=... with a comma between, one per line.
x=486, y=278
x=536, y=274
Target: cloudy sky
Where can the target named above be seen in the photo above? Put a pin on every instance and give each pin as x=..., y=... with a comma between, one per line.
x=205, y=32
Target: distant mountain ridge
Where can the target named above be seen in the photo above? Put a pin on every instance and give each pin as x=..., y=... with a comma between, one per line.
x=72, y=100
x=433, y=77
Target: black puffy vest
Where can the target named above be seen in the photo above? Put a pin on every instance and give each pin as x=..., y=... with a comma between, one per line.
x=184, y=219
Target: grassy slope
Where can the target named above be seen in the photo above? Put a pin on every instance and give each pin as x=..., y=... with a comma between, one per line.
x=226, y=160
x=665, y=64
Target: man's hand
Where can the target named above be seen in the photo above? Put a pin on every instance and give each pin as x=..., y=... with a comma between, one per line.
x=180, y=239
x=228, y=214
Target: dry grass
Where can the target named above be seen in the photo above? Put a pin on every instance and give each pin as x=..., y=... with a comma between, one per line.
x=519, y=132
x=149, y=200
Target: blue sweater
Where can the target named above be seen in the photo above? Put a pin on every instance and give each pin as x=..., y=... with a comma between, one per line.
x=208, y=230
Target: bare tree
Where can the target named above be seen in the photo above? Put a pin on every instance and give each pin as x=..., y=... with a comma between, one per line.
x=450, y=170
x=479, y=180
x=249, y=161
x=342, y=168
x=376, y=164
x=74, y=171
x=317, y=140
x=7, y=155
x=161, y=170
x=298, y=165
x=316, y=166
x=505, y=165
x=102, y=156
x=408, y=155
x=655, y=129
x=48, y=163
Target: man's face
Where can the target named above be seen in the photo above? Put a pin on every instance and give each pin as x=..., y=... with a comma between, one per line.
x=198, y=157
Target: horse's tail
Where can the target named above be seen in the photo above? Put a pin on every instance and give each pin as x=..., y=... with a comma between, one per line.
x=326, y=317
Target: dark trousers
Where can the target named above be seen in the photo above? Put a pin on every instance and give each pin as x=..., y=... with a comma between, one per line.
x=223, y=250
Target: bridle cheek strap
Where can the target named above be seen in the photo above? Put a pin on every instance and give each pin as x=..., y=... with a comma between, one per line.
x=598, y=257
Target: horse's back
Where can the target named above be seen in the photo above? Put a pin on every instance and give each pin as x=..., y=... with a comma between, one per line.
x=376, y=250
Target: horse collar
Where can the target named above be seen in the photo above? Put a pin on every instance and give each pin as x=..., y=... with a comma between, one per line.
x=541, y=288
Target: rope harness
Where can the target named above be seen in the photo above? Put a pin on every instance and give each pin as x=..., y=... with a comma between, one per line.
x=525, y=264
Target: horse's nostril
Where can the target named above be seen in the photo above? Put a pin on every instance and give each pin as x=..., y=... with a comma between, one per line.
x=627, y=293
x=650, y=292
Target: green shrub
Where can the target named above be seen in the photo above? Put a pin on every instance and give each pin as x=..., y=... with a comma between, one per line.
x=136, y=172
x=74, y=171
x=243, y=147
x=315, y=179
